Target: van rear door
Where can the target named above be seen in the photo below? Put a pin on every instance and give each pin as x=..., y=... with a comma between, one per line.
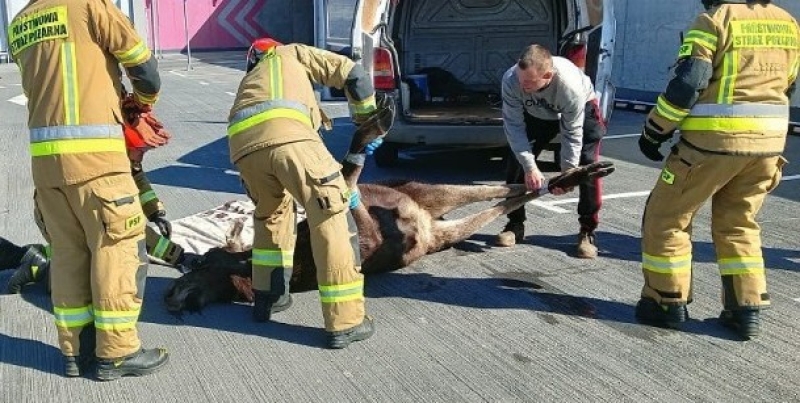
x=601, y=13
x=353, y=28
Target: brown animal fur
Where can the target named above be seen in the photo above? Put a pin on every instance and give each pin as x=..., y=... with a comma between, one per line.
x=403, y=222
x=398, y=223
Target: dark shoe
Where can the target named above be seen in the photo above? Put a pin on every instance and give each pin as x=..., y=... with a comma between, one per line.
x=343, y=338
x=649, y=312
x=265, y=304
x=32, y=268
x=586, y=248
x=142, y=362
x=71, y=367
x=75, y=366
x=512, y=234
x=745, y=323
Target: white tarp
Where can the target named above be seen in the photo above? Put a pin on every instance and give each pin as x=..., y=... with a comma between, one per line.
x=202, y=231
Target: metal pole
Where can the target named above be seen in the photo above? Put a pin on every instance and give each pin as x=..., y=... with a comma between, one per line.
x=186, y=34
x=156, y=35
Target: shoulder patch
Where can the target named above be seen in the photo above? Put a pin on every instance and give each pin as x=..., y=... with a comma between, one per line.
x=43, y=25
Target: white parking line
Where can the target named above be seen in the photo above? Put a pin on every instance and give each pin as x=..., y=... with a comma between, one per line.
x=620, y=136
x=553, y=205
x=230, y=93
x=177, y=74
x=548, y=206
x=202, y=83
x=19, y=100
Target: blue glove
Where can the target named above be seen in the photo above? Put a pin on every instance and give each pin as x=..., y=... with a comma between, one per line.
x=373, y=145
x=355, y=199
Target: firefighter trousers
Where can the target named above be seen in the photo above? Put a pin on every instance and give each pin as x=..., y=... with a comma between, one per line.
x=305, y=171
x=737, y=187
x=99, y=265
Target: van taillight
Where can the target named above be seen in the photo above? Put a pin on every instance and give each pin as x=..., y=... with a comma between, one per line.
x=383, y=70
x=577, y=54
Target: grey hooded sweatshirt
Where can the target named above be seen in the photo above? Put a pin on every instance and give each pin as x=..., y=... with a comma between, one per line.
x=563, y=99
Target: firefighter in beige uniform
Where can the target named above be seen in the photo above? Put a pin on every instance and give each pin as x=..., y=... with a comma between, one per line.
x=35, y=266
x=275, y=144
x=84, y=189
x=736, y=68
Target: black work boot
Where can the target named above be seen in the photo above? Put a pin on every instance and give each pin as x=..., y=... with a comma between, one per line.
x=142, y=362
x=512, y=234
x=649, y=312
x=265, y=304
x=71, y=367
x=343, y=338
x=85, y=361
x=32, y=268
x=745, y=322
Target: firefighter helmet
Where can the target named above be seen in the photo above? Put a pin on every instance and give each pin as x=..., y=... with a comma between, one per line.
x=258, y=48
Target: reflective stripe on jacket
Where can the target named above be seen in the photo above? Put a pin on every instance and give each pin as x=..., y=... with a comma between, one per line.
x=276, y=103
x=69, y=53
x=754, y=52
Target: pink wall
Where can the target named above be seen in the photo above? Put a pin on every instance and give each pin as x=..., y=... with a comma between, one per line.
x=212, y=24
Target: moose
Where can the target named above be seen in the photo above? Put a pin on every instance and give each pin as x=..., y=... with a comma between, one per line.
x=398, y=222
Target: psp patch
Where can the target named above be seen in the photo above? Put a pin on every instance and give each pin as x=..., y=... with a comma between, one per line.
x=133, y=221
x=667, y=176
x=685, y=50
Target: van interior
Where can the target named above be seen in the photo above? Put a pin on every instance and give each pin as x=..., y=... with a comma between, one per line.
x=452, y=53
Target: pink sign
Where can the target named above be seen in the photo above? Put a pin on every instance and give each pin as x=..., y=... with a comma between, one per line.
x=212, y=24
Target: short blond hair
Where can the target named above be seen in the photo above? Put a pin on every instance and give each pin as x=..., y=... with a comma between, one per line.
x=536, y=56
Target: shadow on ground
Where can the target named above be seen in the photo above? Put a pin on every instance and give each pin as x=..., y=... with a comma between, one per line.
x=31, y=354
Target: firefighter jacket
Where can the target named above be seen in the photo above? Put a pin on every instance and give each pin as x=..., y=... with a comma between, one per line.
x=69, y=53
x=276, y=103
x=730, y=93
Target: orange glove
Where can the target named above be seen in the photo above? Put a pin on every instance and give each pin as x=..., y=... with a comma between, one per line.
x=142, y=129
x=146, y=132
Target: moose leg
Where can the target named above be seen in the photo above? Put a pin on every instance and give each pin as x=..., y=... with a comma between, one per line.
x=440, y=199
x=449, y=232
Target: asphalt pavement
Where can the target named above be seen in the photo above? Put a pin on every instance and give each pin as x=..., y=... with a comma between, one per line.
x=473, y=323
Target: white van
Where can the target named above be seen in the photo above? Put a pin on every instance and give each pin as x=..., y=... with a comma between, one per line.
x=443, y=59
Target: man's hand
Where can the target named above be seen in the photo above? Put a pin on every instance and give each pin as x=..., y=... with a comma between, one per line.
x=534, y=179
x=164, y=226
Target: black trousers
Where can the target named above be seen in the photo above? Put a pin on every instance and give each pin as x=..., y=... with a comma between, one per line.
x=540, y=133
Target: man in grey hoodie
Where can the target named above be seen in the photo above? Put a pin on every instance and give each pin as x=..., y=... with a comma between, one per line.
x=542, y=96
